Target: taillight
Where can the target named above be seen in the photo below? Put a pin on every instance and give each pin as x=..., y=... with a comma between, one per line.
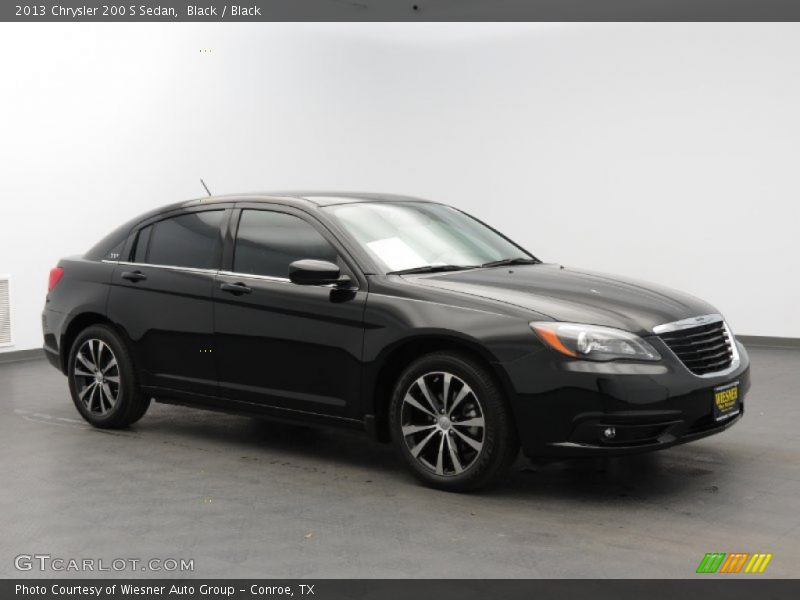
x=56, y=273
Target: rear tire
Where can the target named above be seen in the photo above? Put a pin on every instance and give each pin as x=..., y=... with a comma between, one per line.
x=451, y=424
x=102, y=379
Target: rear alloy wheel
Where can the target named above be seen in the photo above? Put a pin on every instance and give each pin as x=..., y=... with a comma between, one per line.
x=102, y=379
x=96, y=374
x=451, y=424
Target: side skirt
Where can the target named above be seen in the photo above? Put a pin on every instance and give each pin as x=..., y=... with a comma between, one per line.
x=238, y=407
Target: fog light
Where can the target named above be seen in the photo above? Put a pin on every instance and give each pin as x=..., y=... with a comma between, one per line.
x=609, y=433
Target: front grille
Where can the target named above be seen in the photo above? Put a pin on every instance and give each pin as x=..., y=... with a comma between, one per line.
x=703, y=349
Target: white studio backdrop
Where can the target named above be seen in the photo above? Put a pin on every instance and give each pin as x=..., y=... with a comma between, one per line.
x=665, y=152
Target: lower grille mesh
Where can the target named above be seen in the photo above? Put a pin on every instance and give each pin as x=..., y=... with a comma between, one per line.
x=704, y=349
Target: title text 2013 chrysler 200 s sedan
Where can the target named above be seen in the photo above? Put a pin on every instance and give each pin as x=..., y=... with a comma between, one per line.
x=406, y=318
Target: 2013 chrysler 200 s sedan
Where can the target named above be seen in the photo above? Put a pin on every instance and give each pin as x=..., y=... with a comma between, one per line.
x=402, y=317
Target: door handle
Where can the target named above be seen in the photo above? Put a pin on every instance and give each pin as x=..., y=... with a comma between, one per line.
x=237, y=289
x=133, y=276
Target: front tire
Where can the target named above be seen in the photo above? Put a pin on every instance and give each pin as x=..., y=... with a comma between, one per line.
x=102, y=380
x=450, y=423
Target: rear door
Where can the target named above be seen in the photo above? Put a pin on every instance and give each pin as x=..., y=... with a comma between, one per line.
x=281, y=344
x=162, y=297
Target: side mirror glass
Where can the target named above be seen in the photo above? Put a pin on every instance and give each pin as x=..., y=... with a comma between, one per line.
x=316, y=272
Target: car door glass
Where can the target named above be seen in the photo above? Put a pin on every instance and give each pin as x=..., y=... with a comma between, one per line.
x=267, y=242
x=189, y=240
x=142, y=241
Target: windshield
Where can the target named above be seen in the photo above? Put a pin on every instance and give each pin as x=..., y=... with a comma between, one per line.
x=407, y=236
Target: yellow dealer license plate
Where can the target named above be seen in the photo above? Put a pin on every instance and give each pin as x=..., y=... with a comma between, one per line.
x=726, y=401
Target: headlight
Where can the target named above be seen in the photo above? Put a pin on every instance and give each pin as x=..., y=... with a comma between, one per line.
x=592, y=342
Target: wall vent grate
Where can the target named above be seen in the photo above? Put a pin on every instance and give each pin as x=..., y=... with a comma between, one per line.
x=5, y=312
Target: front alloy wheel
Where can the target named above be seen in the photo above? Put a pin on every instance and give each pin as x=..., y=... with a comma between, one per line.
x=443, y=424
x=450, y=422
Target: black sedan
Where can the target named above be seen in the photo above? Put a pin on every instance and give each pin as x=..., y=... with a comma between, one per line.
x=402, y=317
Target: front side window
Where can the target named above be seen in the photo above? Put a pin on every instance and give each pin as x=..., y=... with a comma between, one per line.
x=413, y=235
x=267, y=242
x=189, y=240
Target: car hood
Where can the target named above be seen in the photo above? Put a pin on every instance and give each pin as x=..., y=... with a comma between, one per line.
x=562, y=294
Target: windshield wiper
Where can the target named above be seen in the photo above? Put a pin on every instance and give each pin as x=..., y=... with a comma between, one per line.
x=511, y=261
x=431, y=269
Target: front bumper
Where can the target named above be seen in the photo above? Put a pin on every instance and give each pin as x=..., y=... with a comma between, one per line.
x=564, y=406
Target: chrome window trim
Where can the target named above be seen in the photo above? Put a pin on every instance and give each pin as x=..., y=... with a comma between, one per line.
x=687, y=323
x=699, y=322
x=255, y=276
x=283, y=280
x=171, y=267
x=216, y=272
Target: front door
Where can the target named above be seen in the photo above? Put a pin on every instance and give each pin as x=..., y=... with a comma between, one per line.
x=281, y=344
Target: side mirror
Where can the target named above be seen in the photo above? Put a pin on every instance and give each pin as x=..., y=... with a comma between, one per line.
x=316, y=272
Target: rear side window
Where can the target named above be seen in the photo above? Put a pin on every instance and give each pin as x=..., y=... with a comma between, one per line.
x=267, y=242
x=190, y=240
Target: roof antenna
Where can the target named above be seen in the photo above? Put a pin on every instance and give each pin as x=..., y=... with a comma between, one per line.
x=208, y=191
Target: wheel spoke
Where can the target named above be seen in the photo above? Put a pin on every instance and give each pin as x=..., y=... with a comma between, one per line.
x=440, y=456
x=92, y=353
x=82, y=393
x=109, y=396
x=474, y=422
x=101, y=400
x=454, y=456
x=111, y=364
x=446, y=391
x=462, y=393
x=98, y=395
x=424, y=389
x=474, y=444
x=112, y=378
x=84, y=361
x=90, y=401
x=419, y=447
x=412, y=429
x=413, y=402
x=82, y=373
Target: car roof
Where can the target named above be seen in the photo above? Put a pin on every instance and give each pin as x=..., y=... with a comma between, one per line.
x=307, y=198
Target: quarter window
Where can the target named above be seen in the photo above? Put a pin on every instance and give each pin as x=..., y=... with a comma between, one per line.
x=189, y=240
x=267, y=242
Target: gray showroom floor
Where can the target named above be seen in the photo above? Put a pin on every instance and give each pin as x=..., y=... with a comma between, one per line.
x=245, y=498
